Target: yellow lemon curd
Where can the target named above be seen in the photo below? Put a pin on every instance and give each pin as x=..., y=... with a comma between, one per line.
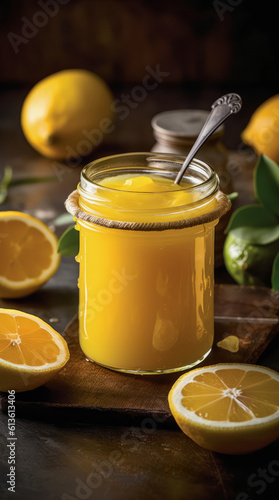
x=146, y=297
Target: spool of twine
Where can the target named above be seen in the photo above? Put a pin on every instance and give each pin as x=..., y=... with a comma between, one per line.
x=72, y=206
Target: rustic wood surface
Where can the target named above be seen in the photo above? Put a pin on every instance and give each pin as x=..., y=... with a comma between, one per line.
x=56, y=459
x=87, y=391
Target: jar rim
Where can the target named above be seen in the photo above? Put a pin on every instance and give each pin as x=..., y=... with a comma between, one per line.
x=91, y=171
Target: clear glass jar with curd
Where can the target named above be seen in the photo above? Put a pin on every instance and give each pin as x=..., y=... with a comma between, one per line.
x=146, y=259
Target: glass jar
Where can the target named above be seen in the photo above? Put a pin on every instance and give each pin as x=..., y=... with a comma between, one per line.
x=146, y=263
x=175, y=132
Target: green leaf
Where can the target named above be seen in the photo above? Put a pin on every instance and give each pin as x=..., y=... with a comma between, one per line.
x=63, y=219
x=32, y=180
x=6, y=181
x=68, y=243
x=266, y=183
x=232, y=196
x=275, y=274
x=254, y=224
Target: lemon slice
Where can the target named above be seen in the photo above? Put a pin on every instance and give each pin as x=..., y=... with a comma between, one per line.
x=28, y=254
x=229, y=408
x=31, y=352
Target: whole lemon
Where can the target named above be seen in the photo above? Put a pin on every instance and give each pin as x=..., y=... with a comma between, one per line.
x=67, y=114
x=262, y=131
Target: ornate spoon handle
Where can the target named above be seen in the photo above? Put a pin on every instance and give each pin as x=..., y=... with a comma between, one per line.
x=221, y=109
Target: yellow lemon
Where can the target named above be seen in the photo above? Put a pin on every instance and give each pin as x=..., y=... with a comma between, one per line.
x=67, y=114
x=229, y=408
x=29, y=255
x=31, y=352
x=262, y=131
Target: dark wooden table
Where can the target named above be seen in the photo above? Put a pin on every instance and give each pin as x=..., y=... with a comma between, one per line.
x=80, y=461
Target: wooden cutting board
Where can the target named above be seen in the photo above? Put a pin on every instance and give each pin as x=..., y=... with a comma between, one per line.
x=86, y=392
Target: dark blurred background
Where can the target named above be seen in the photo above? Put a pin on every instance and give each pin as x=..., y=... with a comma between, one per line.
x=206, y=47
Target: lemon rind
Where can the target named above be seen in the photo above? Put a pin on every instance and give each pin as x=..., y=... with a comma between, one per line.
x=175, y=397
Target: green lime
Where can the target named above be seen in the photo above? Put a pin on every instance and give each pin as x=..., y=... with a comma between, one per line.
x=249, y=264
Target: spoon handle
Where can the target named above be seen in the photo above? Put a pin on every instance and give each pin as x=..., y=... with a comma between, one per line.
x=221, y=109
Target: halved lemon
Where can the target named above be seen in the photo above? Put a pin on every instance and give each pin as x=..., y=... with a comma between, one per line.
x=29, y=254
x=31, y=352
x=229, y=408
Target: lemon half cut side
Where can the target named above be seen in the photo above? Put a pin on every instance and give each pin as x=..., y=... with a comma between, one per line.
x=31, y=352
x=29, y=254
x=229, y=408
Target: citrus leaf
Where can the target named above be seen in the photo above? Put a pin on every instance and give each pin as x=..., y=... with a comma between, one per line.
x=275, y=274
x=254, y=224
x=6, y=181
x=68, y=243
x=63, y=219
x=266, y=183
x=32, y=180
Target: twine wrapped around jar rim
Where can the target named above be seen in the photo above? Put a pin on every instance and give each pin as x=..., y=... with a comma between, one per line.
x=222, y=208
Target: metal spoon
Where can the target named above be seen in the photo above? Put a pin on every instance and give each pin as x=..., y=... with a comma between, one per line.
x=221, y=109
